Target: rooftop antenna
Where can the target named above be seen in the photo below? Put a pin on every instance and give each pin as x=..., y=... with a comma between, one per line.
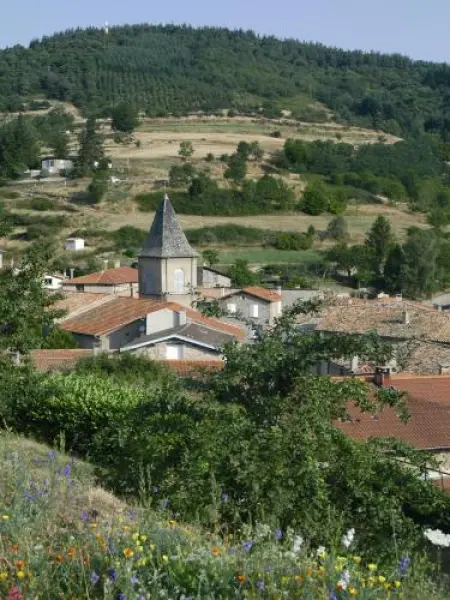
x=106, y=28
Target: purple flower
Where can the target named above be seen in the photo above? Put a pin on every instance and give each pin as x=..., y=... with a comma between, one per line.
x=94, y=577
x=247, y=545
x=333, y=595
x=224, y=497
x=67, y=470
x=120, y=596
x=112, y=574
x=260, y=586
x=85, y=516
x=278, y=534
x=132, y=514
x=52, y=454
x=403, y=566
x=155, y=489
x=134, y=580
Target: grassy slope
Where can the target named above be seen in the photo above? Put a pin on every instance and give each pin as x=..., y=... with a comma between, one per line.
x=63, y=537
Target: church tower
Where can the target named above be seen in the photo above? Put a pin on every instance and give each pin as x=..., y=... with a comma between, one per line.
x=167, y=263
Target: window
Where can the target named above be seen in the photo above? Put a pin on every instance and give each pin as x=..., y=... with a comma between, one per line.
x=178, y=281
x=48, y=281
x=79, y=287
x=255, y=311
x=231, y=308
x=174, y=352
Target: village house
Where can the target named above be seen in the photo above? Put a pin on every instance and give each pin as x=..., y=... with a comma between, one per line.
x=260, y=305
x=208, y=277
x=419, y=334
x=54, y=166
x=53, y=282
x=110, y=281
x=74, y=244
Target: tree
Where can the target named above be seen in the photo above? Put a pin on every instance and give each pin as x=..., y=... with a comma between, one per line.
x=19, y=147
x=244, y=150
x=181, y=175
x=240, y=274
x=97, y=189
x=421, y=252
x=91, y=148
x=379, y=242
x=237, y=169
x=394, y=270
x=124, y=117
x=186, y=149
x=5, y=225
x=337, y=229
x=26, y=309
x=256, y=152
x=315, y=199
x=211, y=257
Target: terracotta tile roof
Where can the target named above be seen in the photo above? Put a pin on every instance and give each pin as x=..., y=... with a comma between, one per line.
x=109, y=277
x=111, y=315
x=386, y=317
x=75, y=303
x=189, y=368
x=120, y=311
x=269, y=295
x=53, y=360
x=428, y=400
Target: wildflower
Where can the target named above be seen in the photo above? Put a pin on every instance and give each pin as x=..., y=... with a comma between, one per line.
x=403, y=567
x=59, y=558
x=165, y=558
x=278, y=534
x=241, y=579
x=216, y=551
x=14, y=548
x=128, y=553
x=260, y=586
x=67, y=470
x=357, y=559
x=85, y=516
x=120, y=596
x=135, y=536
x=20, y=575
x=321, y=552
x=381, y=578
x=94, y=577
x=112, y=575
x=14, y=594
x=155, y=489
x=332, y=596
x=86, y=560
x=298, y=579
x=71, y=552
x=52, y=454
x=143, y=538
x=352, y=591
x=5, y=517
x=141, y=562
x=247, y=545
x=20, y=564
x=224, y=497
x=397, y=583
x=134, y=580
x=372, y=567
x=4, y=575
x=348, y=538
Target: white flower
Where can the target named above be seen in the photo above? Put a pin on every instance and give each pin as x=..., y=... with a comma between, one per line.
x=347, y=539
x=342, y=584
x=438, y=538
x=321, y=551
x=298, y=542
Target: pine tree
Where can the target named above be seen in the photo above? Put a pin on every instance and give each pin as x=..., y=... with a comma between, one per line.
x=91, y=148
x=379, y=242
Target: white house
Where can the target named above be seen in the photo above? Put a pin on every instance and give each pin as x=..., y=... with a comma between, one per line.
x=74, y=244
x=53, y=282
x=54, y=166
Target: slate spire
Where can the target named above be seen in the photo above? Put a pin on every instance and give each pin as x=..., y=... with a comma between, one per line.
x=166, y=238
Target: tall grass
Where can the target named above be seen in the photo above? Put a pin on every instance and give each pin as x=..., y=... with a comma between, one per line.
x=61, y=537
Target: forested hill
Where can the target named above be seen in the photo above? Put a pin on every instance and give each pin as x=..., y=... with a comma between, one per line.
x=177, y=68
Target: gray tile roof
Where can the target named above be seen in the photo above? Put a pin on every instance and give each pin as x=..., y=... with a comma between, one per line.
x=166, y=238
x=191, y=332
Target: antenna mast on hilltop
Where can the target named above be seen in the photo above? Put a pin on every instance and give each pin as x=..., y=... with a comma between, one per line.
x=106, y=30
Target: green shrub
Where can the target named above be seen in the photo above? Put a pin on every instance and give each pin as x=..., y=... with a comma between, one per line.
x=229, y=234
x=128, y=238
x=43, y=204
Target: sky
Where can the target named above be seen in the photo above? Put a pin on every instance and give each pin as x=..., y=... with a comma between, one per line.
x=417, y=28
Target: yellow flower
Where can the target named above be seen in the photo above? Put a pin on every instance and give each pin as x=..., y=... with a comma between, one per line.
x=381, y=578
x=341, y=559
x=352, y=591
x=139, y=548
x=387, y=586
x=3, y=575
x=5, y=517
x=372, y=567
x=20, y=575
x=397, y=583
x=135, y=536
x=143, y=538
x=357, y=559
x=371, y=580
x=128, y=553
x=141, y=562
x=241, y=578
x=165, y=558
x=284, y=580
x=152, y=546
x=298, y=578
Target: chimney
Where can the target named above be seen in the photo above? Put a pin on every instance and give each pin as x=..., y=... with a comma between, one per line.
x=382, y=376
x=439, y=307
x=105, y=265
x=117, y=263
x=444, y=369
x=72, y=271
x=406, y=319
x=181, y=317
